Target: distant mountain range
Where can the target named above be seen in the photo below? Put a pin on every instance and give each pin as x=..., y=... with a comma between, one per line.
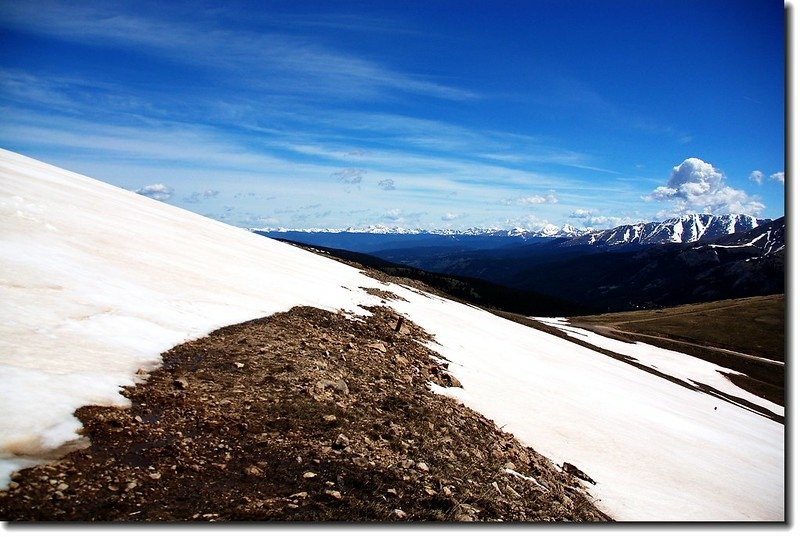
x=682, y=229
x=549, y=230
x=692, y=258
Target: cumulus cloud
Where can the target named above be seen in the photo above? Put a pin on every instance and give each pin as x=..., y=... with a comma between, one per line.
x=157, y=191
x=196, y=197
x=778, y=176
x=398, y=216
x=757, y=176
x=393, y=215
x=450, y=216
x=696, y=186
x=386, y=184
x=591, y=218
x=536, y=200
x=350, y=176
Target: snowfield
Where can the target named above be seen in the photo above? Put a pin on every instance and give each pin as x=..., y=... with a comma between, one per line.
x=96, y=282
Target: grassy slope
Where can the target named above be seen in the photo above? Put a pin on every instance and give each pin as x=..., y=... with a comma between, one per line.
x=749, y=325
x=754, y=326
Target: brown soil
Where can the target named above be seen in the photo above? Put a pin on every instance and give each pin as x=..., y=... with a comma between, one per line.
x=305, y=415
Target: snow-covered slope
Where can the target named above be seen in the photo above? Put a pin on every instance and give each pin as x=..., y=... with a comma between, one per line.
x=682, y=229
x=96, y=282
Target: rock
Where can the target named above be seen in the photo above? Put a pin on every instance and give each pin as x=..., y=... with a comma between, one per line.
x=380, y=347
x=336, y=385
x=254, y=471
x=510, y=466
x=393, y=492
x=62, y=487
x=422, y=467
x=429, y=491
x=573, y=470
x=155, y=476
x=341, y=442
x=464, y=512
x=408, y=463
x=238, y=365
x=399, y=513
x=301, y=495
x=334, y=494
x=181, y=383
x=309, y=475
x=329, y=418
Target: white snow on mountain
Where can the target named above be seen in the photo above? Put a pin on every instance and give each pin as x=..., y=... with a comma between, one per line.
x=683, y=229
x=548, y=230
x=96, y=282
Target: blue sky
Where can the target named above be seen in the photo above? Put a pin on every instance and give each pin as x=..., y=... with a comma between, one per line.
x=433, y=114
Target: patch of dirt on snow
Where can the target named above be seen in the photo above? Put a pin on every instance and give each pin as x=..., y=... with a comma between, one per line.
x=305, y=415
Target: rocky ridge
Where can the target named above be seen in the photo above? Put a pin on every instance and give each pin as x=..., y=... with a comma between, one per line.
x=305, y=415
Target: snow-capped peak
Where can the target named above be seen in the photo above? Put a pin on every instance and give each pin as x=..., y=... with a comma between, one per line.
x=681, y=229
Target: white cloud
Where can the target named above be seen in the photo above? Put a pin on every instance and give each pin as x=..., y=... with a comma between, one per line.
x=591, y=218
x=157, y=191
x=696, y=186
x=757, y=176
x=778, y=176
x=386, y=184
x=537, y=199
x=393, y=215
x=350, y=176
x=450, y=216
x=196, y=197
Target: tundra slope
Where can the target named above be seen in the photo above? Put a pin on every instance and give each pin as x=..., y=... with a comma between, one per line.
x=98, y=282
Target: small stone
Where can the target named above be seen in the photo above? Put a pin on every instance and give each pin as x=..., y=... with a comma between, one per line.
x=62, y=487
x=180, y=383
x=429, y=491
x=238, y=365
x=510, y=466
x=309, y=475
x=334, y=494
x=138, y=419
x=301, y=495
x=393, y=492
x=380, y=347
x=132, y=485
x=254, y=471
x=13, y=485
x=341, y=442
x=422, y=467
x=399, y=513
x=329, y=418
x=155, y=475
x=408, y=463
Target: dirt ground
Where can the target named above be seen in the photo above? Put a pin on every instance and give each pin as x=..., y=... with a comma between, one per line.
x=306, y=415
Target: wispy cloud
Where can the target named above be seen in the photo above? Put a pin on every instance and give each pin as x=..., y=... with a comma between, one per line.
x=287, y=63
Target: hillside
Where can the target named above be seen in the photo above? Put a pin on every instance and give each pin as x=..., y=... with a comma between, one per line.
x=100, y=284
